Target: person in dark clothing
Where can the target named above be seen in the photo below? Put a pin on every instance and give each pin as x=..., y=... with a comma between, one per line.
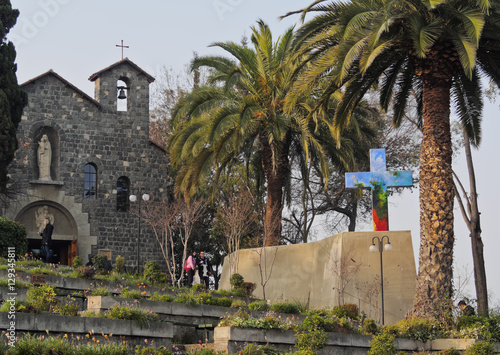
x=46, y=234
x=204, y=270
x=466, y=309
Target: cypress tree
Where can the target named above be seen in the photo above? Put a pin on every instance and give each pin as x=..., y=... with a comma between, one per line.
x=12, y=97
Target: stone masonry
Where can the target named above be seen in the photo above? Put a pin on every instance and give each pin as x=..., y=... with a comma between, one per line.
x=83, y=130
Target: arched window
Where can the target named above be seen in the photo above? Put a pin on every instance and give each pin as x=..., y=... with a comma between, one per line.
x=122, y=193
x=90, y=181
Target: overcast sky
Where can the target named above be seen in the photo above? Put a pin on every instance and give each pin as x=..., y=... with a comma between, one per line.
x=78, y=38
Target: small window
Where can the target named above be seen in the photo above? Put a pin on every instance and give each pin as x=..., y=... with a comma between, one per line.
x=122, y=193
x=90, y=181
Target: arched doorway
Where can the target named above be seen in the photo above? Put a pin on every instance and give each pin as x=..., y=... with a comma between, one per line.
x=65, y=236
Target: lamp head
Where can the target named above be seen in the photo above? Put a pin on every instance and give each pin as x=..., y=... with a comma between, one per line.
x=373, y=248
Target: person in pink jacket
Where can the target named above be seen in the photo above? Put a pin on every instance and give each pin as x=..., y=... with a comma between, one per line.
x=191, y=268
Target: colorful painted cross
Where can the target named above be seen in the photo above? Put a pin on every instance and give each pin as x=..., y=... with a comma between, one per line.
x=378, y=179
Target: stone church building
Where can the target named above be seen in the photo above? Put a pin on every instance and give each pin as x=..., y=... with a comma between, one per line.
x=81, y=158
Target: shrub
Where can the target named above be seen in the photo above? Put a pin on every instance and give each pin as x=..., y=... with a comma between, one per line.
x=204, y=298
x=369, y=327
x=383, y=344
x=314, y=340
x=451, y=351
x=40, y=297
x=285, y=307
x=198, y=287
x=480, y=348
x=99, y=262
x=236, y=281
x=248, y=288
x=223, y=302
x=88, y=272
x=152, y=272
x=126, y=293
x=101, y=291
x=140, y=317
x=162, y=298
x=187, y=298
x=419, y=329
x=67, y=307
x=258, y=306
x=13, y=235
x=77, y=262
x=348, y=310
x=238, y=304
x=254, y=349
x=120, y=264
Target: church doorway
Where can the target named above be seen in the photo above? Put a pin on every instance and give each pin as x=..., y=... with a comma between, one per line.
x=64, y=238
x=63, y=251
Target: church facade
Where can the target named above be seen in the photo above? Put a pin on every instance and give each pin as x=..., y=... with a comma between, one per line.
x=81, y=158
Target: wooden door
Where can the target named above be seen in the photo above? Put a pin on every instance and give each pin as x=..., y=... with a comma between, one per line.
x=73, y=251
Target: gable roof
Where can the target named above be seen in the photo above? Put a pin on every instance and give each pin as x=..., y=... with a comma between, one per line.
x=65, y=82
x=94, y=76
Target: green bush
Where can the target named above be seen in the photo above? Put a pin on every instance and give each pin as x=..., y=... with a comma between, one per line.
x=77, y=262
x=67, y=307
x=314, y=340
x=238, y=304
x=369, y=327
x=383, y=344
x=348, y=310
x=223, y=302
x=198, y=287
x=152, y=272
x=135, y=294
x=187, y=298
x=248, y=288
x=41, y=297
x=162, y=298
x=254, y=349
x=258, y=306
x=451, y=351
x=236, y=281
x=101, y=291
x=120, y=264
x=285, y=307
x=99, y=262
x=419, y=329
x=13, y=235
x=480, y=348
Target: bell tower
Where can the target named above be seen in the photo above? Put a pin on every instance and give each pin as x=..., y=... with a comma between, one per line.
x=123, y=87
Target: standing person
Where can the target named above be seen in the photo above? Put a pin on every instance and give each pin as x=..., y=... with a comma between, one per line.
x=191, y=268
x=204, y=270
x=46, y=234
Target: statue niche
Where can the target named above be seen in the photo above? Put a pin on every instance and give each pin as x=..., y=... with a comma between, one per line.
x=44, y=154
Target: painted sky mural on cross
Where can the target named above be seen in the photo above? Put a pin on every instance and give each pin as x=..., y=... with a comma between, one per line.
x=378, y=180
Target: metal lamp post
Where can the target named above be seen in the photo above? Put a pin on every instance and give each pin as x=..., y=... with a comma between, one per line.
x=133, y=198
x=373, y=248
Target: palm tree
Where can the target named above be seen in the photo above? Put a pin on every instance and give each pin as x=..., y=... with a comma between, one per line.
x=437, y=50
x=240, y=117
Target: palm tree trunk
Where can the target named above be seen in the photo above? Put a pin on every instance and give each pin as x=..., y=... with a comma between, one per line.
x=275, y=177
x=434, y=280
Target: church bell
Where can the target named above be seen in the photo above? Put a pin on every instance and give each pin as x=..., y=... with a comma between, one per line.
x=121, y=94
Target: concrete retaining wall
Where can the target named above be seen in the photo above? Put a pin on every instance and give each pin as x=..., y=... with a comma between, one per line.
x=77, y=328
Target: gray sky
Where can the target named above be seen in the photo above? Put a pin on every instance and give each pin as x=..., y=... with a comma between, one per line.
x=77, y=38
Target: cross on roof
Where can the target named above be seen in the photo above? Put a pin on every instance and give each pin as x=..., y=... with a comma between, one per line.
x=378, y=179
x=122, y=46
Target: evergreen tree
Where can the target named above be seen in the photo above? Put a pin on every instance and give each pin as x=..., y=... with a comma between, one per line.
x=12, y=98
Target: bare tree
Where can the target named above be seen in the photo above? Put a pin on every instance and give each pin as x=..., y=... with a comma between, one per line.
x=238, y=217
x=264, y=253
x=470, y=211
x=344, y=268
x=172, y=222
